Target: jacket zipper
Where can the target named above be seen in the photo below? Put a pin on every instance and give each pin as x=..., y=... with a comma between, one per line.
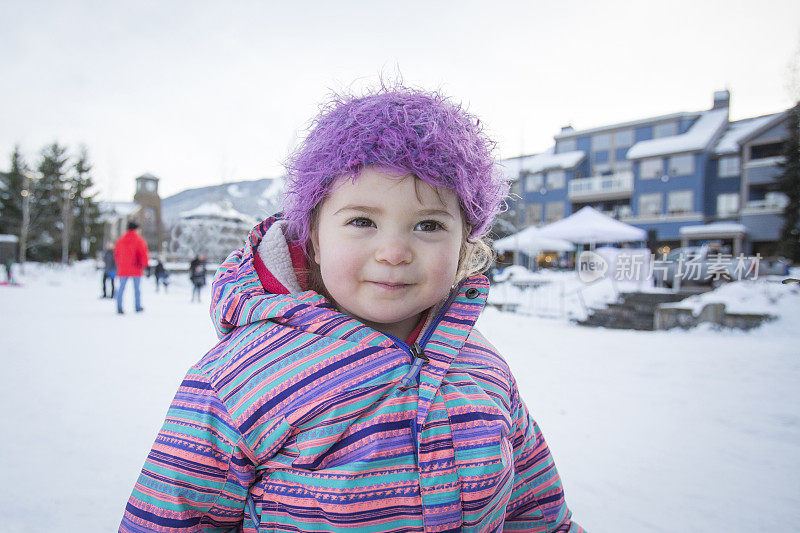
x=415, y=351
x=418, y=358
x=250, y=504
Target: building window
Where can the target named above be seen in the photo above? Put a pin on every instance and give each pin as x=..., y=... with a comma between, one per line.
x=623, y=166
x=727, y=204
x=622, y=211
x=650, y=204
x=680, y=202
x=601, y=156
x=533, y=214
x=601, y=169
x=762, y=151
x=681, y=165
x=665, y=129
x=728, y=167
x=601, y=141
x=556, y=179
x=623, y=139
x=554, y=211
x=651, y=168
x=533, y=182
x=567, y=145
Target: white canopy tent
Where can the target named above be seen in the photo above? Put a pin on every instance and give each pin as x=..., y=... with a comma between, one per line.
x=589, y=226
x=529, y=242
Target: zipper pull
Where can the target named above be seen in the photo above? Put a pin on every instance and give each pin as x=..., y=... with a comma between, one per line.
x=418, y=353
x=416, y=365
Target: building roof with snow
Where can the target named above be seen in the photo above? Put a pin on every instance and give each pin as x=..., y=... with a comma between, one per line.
x=699, y=137
x=544, y=161
x=741, y=130
x=217, y=211
x=569, y=132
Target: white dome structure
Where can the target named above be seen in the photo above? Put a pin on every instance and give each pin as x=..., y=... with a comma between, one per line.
x=212, y=229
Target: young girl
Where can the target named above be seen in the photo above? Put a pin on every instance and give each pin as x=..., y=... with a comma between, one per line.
x=350, y=390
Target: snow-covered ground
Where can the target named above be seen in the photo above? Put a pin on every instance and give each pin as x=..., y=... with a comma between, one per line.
x=674, y=431
x=557, y=294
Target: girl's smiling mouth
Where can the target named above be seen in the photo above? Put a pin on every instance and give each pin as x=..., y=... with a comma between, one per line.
x=390, y=285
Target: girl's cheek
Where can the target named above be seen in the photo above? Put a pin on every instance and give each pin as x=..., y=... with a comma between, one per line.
x=339, y=262
x=445, y=271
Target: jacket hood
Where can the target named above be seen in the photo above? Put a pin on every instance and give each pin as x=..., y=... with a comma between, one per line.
x=239, y=297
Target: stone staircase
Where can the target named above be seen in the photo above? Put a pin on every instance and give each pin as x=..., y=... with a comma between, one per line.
x=635, y=310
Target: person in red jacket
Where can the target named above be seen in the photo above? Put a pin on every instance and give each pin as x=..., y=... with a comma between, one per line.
x=131, y=256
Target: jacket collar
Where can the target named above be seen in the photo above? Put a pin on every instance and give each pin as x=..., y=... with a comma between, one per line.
x=443, y=343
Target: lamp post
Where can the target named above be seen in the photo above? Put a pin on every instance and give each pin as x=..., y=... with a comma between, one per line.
x=66, y=220
x=23, y=233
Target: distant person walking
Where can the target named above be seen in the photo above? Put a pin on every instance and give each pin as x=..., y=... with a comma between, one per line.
x=131, y=256
x=9, y=264
x=197, y=273
x=161, y=275
x=109, y=269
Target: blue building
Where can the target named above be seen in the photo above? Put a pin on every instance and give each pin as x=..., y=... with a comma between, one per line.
x=685, y=178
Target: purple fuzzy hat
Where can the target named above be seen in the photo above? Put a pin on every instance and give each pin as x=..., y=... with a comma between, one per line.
x=401, y=130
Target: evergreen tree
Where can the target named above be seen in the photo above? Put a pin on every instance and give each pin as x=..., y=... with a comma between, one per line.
x=11, y=185
x=87, y=227
x=789, y=184
x=46, y=224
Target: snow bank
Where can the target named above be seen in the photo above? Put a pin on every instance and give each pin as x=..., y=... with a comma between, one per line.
x=556, y=294
x=761, y=296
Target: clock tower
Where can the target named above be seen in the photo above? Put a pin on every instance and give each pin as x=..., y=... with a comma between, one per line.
x=149, y=215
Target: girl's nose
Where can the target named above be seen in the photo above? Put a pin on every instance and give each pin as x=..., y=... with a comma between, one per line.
x=394, y=251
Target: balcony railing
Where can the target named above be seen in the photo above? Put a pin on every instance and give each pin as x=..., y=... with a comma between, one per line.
x=769, y=205
x=619, y=184
x=620, y=212
x=765, y=162
x=663, y=217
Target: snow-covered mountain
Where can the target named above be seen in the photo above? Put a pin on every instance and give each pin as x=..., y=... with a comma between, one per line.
x=257, y=198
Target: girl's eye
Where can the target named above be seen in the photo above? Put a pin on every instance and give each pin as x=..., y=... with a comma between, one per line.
x=361, y=222
x=428, y=225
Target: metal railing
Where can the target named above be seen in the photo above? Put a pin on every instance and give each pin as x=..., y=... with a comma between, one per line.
x=769, y=205
x=620, y=182
x=764, y=162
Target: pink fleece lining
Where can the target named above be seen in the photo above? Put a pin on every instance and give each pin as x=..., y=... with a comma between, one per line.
x=412, y=338
x=270, y=282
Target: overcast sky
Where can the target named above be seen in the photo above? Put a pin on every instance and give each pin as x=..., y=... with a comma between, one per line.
x=199, y=93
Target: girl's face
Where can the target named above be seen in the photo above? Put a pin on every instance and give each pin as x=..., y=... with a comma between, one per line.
x=387, y=248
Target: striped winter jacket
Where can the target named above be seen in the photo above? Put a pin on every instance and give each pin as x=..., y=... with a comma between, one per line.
x=304, y=419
